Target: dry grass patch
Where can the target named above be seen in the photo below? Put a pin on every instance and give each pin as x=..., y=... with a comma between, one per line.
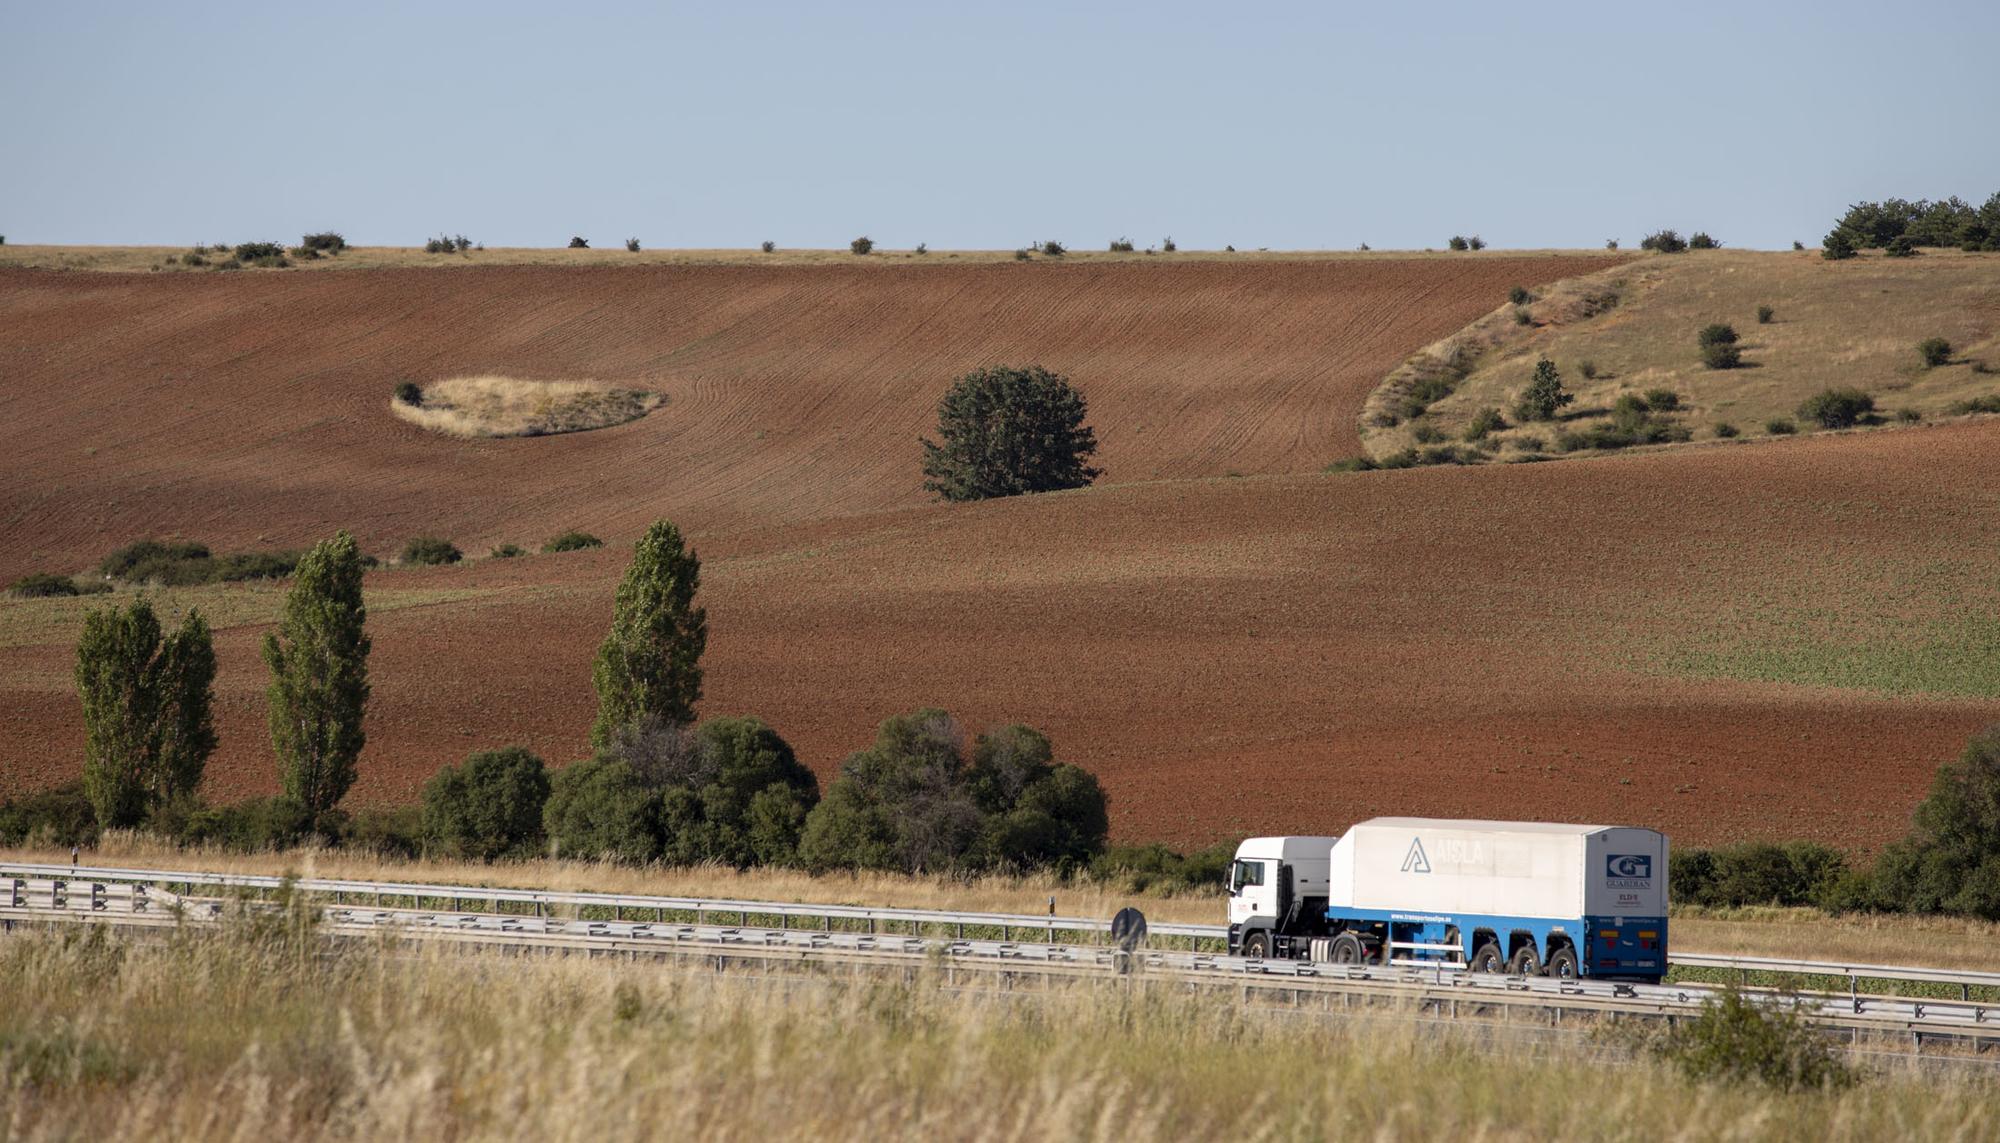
x=490, y=405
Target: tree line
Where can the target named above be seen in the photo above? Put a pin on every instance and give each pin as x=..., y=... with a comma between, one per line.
x=660, y=785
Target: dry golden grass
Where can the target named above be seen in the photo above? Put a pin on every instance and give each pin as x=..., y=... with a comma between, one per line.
x=1837, y=324
x=490, y=405
x=260, y=1032
x=143, y=259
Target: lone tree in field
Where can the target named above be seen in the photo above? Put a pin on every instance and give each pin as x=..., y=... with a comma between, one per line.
x=1950, y=861
x=147, y=726
x=319, y=676
x=1545, y=394
x=650, y=664
x=1007, y=431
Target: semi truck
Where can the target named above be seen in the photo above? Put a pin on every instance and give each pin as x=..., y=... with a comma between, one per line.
x=1526, y=898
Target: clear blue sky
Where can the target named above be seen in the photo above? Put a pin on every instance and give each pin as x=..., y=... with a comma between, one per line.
x=986, y=125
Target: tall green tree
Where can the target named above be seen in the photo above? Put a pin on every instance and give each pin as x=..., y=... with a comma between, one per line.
x=650, y=663
x=1950, y=860
x=1006, y=431
x=319, y=676
x=146, y=709
x=1545, y=394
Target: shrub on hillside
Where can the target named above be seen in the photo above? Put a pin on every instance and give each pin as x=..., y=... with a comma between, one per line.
x=126, y=561
x=491, y=806
x=579, y=242
x=1544, y=395
x=572, y=541
x=1725, y=430
x=1007, y=431
x=1588, y=369
x=1167, y=244
x=326, y=242
x=1836, y=408
x=1950, y=860
x=1780, y=427
x=1700, y=240
x=921, y=248
x=1484, y=422
x=431, y=550
x=1519, y=295
x=732, y=791
x=1523, y=317
x=1721, y=355
x=1662, y=400
x=862, y=245
x=507, y=552
x=1157, y=869
x=1425, y=432
x=46, y=585
x=1121, y=245
x=767, y=246
x=1053, y=249
x=1935, y=351
x=1611, y=244
x=1664, y=242
x=632, y=244
x=447, y=244
x=1717, y=333
x=1759, y=873
x=254, y=251
x=1837, y=247
x=1458, y=242
x=410, y=393
x=1765, y=314
x=1987, y=404
x=1901, y=246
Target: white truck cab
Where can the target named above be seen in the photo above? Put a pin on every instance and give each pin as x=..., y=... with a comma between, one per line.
x=1276, y=884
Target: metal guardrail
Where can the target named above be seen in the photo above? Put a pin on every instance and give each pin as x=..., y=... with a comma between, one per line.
x=547, y=903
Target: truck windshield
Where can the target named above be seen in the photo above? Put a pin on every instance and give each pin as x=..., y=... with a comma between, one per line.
x=1246, y=873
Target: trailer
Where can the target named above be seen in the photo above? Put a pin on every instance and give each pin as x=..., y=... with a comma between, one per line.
x=1527, y=898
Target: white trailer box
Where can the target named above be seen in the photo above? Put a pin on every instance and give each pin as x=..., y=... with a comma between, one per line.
x=1512, y=869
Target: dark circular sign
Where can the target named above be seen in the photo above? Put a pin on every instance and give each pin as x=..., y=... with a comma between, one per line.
x=1128, y=928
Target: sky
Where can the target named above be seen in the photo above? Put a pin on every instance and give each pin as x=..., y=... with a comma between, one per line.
x=986, y=125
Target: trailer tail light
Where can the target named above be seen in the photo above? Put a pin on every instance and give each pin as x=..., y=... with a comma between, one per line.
x=1607, y=962
x=1608, y=934
x=1650, y=934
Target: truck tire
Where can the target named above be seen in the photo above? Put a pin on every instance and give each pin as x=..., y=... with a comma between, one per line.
x=1525, y=962
x=1486, y=958
x=1257, y=944
x=1347, y=949
x=1562, y=963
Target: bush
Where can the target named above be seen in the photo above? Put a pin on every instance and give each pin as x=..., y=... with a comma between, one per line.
x=254, y=826
x=922, y=248
x=1758, y=873
x=62, y=816
x=1156, y=868
x=410, y=393
x=862, y=245
x=444, y=244
x=731, y=791
x=768, y=246
x=258, y=251
x=185, y=563
x=1664, y=242
x=44, y=585
x=431, y=550
x=1700, y=240
x=1780, y=427
x=1053, y=249
x=326, y=241
x=1765, y=314
x=1797, y=245
x=393, y=832
x=1934, y=351
x=123, y=563
x=1725, y=430
x=1545, y=394
x=489, y=807
x=1901, y=246
x=1986, y=404
x=1121, y=245
x=1476, y=242
x=1588, y=369
x=1611, y=244
x=1662, y=400
x=1717, y=333
x=1721, y=355
x=1458, y=242
x=1008, y=431
x=1426, y=433
x=1739, y=1040
x=1484, y=422
x=599, y=809
x=632, y=244
x=572, y=541
x=1022, y=255
x=1523, y=317
x=1167, y=244
x=1837, y=247
x=507, y=552
x=578, y=242
x=1519, y=295
x=1836, y=408
x=1950, y=860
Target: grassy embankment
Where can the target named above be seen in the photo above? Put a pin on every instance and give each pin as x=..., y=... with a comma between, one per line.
x=1834, y=325
x=256, y=1031
x=494, y=406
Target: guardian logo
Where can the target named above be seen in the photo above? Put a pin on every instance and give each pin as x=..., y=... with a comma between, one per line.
x=1416, y=861
x=1629, y=870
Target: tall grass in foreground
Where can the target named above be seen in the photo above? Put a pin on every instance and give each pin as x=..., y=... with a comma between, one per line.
x=256, y=1031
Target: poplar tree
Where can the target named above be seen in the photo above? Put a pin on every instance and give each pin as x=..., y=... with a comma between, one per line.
x=319, y=676
x=650, y=663
x=146, y=709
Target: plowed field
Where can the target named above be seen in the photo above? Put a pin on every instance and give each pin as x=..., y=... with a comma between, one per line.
x=1272, y=653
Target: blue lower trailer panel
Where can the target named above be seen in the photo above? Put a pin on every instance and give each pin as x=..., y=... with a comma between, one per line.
x=1603, y=946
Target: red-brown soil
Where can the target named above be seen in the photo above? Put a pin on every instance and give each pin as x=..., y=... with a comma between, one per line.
x=1280, y=653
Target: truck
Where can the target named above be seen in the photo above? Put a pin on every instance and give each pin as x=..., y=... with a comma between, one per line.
x=1526, y=898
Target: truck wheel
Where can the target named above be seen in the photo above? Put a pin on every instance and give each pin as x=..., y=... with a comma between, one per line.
x=1487, y=958
x=1525, y=962
x=1347, y=950
x=1562, y=964
x=1257, y=945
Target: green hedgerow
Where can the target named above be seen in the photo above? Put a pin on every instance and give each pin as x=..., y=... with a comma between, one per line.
x=431, y=550
x=572, y=541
